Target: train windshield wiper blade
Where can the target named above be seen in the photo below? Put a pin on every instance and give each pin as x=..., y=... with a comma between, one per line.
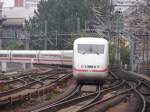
x=84, y=52
x=96, y=52
x=88, y=52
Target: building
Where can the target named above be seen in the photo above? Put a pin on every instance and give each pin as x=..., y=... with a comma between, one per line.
x=16, y=12
x=18, y=3
x=1, y=5
x=31, y=3
x=19, y=9
x=21, y=3
x=26, y=3
x=13, y=26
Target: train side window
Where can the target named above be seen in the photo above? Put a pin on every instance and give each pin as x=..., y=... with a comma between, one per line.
x=27, y=56
x=3, y=55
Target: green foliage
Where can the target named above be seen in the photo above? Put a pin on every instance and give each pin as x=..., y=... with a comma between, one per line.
x=69, y=43
x=125, y=54
x=60, y=16
x=112, y=52
x=123, y=48
x=148, y=21
x=36, y=44
x=15, y=45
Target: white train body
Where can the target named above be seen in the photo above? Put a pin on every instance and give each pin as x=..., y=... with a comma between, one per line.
x=90, y=59
x=61, y=57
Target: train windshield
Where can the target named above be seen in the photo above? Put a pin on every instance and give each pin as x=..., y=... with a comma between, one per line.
x=90, y=49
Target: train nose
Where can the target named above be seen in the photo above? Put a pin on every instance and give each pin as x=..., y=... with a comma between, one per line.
x=90, y=75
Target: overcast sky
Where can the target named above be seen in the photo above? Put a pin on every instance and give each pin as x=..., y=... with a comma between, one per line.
x=8, y=3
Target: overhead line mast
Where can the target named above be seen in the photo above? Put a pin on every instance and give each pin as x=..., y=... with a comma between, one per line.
x=137, y=34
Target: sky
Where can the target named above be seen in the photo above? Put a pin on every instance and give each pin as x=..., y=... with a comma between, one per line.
x=8, y=3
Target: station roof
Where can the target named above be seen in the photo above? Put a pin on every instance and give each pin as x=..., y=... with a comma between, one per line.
x=13, y=22
x=15, y=16
x=18, y=12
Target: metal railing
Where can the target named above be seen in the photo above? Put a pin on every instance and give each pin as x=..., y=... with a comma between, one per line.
x=13, y=35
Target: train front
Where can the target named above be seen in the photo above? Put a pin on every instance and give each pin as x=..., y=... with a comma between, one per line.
x=90, y=61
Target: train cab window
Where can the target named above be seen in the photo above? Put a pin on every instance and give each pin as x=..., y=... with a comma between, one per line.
x=26, y=55
x=90, y=49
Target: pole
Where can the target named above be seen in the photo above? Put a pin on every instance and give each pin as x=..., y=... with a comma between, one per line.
x=27, y=44
x=0, y=43
x=78, y=25
x=45, y=39
x=4, y=66
x=85, y=25
x=132, y=55
x=56, y=39
x=0, y=32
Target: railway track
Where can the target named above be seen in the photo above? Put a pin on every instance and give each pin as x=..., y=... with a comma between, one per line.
x=134, y=91
x=106, y=98
x=120, y=90
x=79, y=98
x=74, y=100
x=32, y=86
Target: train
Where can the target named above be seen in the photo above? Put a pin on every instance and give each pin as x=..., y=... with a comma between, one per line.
x=53, y=57
x=90, y=59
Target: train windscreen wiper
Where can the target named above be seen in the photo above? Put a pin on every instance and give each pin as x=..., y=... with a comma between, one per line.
x=85, y=52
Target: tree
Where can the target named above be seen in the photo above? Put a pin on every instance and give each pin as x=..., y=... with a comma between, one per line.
x=61, y=16
x=125, y=54
x=15, y=45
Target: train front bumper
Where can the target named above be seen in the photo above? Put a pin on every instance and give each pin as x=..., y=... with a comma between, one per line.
x=90, y=75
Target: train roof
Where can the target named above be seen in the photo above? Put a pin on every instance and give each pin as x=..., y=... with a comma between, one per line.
x=34, y=51
x=91, y=40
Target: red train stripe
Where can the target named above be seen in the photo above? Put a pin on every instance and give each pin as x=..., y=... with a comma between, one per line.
x=56, y=60
x=4, y=58
x=21, y=58
x=50, y=55
x=85, y=70
x=57, y=55
x=29, y=59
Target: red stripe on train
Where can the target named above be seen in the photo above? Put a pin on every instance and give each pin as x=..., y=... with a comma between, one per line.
x=56, y=60
x=4, y=58
x=55, y=55
x=29, y=59
x=85, y=70
x=22, y=59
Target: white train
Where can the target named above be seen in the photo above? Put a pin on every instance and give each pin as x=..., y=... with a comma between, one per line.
x=90, y=59
x=61, y=57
